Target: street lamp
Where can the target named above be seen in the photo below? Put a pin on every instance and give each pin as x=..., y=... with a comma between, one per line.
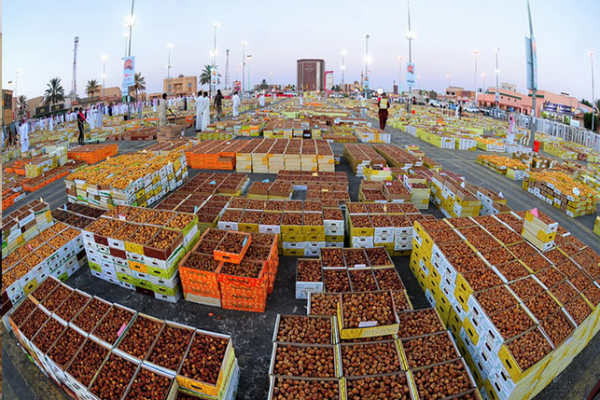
x=591, y=53
x=243, y=67
x=169, y=46
x=410, y=36
x=104, y=58
x=366, y=83
x=475, y=53
x=497, y=72
x=126, y=36
x=17, y=82
x=344, y=52
x=249, y=57
x=129, y=23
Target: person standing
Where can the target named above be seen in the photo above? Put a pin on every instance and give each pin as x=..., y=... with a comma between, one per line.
x=384, y=105
x=510, y=136
x=236, y=104
x=362, y=101
x=199, y=112
x=206, y=112
x=219, y=104
x=261, y=100
x=460, y=111
x=24, y=137
x=162, y=111
x=51, y=124
x=80, y=122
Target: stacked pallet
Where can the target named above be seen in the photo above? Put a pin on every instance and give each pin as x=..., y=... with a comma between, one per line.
x=360, y=156
x=501, y=296
x=214, y=154
x=230, y=269
x=93, y=153
x=139, y=249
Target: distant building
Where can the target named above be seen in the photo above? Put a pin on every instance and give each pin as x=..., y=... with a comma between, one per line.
x=310, y=74
x=181, y=86
x=268, y=89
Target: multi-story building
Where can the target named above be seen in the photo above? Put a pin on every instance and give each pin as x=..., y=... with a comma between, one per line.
x=310, y=75
x=181, y=86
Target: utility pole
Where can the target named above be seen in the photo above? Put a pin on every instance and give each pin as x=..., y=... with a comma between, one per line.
x=497, y=89
x=169, y=70
x=400, y=91
x=227, y=69
x=343, y=66
x=533, y=73
x=131, y=22
x=104, y=58
x=367, y=65
x=476, y=53
x=243, y=67
x=410, y=37
x=593, y=98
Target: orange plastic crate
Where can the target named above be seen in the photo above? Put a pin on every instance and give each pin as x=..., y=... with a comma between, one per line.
x=234, y=258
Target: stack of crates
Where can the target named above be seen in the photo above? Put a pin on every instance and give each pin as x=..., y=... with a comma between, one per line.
x=539, y=229
x=497, y=293
x=206, y=273
x=115, y=253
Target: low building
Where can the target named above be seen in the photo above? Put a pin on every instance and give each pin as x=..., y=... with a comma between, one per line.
x=181, y=86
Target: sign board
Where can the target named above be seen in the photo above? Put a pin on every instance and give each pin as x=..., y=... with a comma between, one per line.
x=237, y=85
x=214, y=76
x=366, y=85
x=558, y=108
x=531, y=50
x=128, y=72
x=410, y=74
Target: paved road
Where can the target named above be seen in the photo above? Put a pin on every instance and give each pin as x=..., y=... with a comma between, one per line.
x=252, y=333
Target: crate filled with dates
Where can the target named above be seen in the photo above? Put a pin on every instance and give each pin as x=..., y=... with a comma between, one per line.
x=57, y=252
x=208, y=279
x=139, y=249
x=126, y=352
x=383, y=224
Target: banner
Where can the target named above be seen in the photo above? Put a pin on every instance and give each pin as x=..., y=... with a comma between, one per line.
x=410, y=74
x=237, y=85
x=328, y=80
x=214, y=76
x=128, y=72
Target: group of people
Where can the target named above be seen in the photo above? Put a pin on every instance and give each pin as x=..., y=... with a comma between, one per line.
x=203, y=108
x=383, y=106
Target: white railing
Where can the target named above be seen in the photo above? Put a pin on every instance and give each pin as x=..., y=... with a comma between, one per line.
x=571, y=133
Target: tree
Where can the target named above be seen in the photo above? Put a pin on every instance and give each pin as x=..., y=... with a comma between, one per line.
x=586, y=103
x=587, y=121
x=22, y=105
x=92, y=88
x=264, y=84
x=433, y=95
x=205, y=75
x=139, y=84
x=55, y=92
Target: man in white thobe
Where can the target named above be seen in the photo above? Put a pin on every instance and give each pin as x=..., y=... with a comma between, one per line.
x=199, y=111
x=301, y=98
x=24, y=137
x=206, y=112
x=236, y=104
x=51, y=124
x=261, y=100
x=154, y=104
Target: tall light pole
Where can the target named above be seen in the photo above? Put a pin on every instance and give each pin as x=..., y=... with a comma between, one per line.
x=410, y=36
x=533, y=72
x=130, y=23
x=593, y=98
x=126, y=36
x=17, y=82
x=243, y=67
x=104, y=58
x=169, y=46
x=497, y=72
x=366, y=63
x=249, y=57
x=475, y=53
x=344, y=52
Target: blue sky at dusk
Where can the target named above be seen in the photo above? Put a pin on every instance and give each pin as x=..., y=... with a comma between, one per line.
x=38, y=39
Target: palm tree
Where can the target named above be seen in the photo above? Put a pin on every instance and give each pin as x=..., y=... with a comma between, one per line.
x=264, y=84
x=55, y=92
x=22, y=105
x=139, y=84
x=91, y=88
x=205, y=76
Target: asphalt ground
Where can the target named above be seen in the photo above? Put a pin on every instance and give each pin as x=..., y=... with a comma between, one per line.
x=252, y=332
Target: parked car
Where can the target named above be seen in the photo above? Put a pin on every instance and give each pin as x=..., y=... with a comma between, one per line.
x=435, y=103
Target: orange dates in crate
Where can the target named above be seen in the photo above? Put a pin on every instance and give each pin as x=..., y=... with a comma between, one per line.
x=305, y=330
x=205, y=357
x=418, y=323
x=305, y=361
x=170, y=347
x=140, y=336
x=441, y=381
x=367, y=307
x=299, y=389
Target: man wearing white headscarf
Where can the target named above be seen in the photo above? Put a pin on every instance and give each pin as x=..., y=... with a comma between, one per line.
x=199, y=111
x=206, y=112
x=24, y=137
x=236, y=104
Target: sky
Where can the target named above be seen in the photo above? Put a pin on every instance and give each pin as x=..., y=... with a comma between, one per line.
x=38, y=40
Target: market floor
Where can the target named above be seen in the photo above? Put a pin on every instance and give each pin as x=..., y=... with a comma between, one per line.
x=252, y=333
